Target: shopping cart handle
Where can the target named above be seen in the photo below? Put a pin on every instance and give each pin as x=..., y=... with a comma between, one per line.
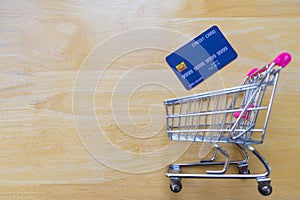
x=283, y=59
x=252, y=71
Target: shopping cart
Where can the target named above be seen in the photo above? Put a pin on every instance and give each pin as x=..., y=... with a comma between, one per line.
x=237, y=115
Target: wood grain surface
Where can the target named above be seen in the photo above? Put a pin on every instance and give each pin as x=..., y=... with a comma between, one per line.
x=82, y=87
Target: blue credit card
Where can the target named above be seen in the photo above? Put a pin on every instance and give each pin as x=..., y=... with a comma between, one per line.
x=201, y=57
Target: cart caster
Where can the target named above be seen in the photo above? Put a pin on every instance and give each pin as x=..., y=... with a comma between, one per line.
x=243, y=169
x=175, y=184
x=265, y=190
x=264, y=187
x=176, y=187
x=245, y=172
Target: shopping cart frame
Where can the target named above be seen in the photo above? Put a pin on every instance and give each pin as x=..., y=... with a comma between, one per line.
x=268, y=76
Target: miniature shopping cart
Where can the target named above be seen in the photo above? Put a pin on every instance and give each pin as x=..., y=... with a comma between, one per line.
x=237, y=115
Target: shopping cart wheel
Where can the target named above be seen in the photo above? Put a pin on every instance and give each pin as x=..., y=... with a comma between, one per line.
x=243, y=169
x=176, y=187
x=265, y=190
x=264, y=187
x=175, y=184
x=245, y=172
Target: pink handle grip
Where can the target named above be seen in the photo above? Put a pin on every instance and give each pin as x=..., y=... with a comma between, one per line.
x=252, y=71
x=246, y=113
x=283, y=59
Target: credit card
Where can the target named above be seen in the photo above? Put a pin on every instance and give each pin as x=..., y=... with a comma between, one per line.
x=200, y=58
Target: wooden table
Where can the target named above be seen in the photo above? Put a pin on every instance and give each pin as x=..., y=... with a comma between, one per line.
x=82, y=90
